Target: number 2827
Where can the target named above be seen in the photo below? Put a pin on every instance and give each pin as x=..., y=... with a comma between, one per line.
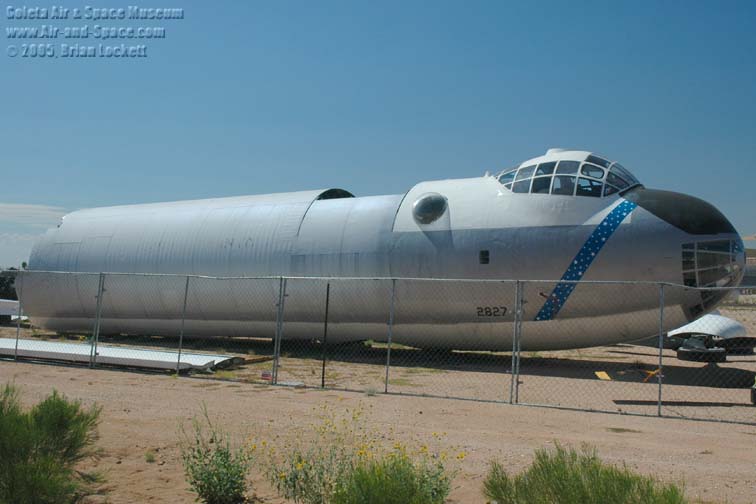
x=491, y=311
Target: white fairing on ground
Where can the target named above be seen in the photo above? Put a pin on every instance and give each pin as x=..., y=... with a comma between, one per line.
x=712, y=324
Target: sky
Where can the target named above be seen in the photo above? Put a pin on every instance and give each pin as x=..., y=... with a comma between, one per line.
x=373, y=97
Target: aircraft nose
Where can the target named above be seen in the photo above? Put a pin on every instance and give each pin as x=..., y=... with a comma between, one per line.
x=692, y=215
x=713, y=254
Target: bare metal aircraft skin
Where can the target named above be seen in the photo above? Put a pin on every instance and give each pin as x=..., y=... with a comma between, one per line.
x=561, y=217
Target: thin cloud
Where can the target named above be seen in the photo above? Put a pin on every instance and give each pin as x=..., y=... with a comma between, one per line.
x=17, y=238
x=31, y=215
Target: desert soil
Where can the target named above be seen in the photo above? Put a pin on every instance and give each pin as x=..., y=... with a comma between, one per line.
x=141, y=413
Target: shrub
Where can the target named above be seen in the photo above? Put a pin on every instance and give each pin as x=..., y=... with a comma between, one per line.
x=566, y=476
x=310, y=474
x=341, y=461
x=149, y=457
x=40, y=448
x=395, y=479
x=215, y=470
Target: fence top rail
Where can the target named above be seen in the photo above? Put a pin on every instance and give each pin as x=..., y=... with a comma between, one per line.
x=353, y=278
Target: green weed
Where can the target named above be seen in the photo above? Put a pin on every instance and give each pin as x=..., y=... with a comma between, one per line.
x=402, y=382
x=344, y=462
x=395, y=479
x=566, y=476
x=215, y=470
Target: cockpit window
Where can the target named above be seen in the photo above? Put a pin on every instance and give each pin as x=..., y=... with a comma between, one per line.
x=541, y=185
x=597, y=160
x=596, y=177
x=610, y=189
x=568, y=167
x=616, y=180
x=588, y=187
x=563, y=185
x=508, y=177
x=620, y=170
x=522, y=186
x=545, y=168
x=592, y=171
x=525, y=172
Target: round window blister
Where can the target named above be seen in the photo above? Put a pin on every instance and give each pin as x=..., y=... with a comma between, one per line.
x=428, y=208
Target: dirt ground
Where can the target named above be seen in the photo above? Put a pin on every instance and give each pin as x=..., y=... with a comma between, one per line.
x=621, y=378
x=716, y=462
x=141, y=412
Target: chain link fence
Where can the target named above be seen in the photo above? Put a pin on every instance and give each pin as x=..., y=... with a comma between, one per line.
x=725, y=386
x=523, y=344
x=603, y=373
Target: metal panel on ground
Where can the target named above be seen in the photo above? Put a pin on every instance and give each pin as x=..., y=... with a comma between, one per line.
x=111, y=355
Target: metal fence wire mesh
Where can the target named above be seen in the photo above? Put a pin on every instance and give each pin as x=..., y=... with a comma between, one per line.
x=595, y=370
x=236, y=317
x=507, y=341
x=335, y=333
x=429, y=320
x=713, y=390
x=156, y=302
x=76, y=306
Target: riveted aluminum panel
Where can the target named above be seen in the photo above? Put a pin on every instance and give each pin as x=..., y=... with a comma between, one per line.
x=239, y=236
x=346, y=237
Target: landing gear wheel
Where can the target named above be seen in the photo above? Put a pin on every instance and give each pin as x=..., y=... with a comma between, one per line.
x=715, y=354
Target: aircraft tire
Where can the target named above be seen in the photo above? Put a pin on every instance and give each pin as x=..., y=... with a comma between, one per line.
x=715, y=354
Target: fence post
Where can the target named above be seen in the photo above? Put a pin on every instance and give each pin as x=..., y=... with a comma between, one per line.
x=390, y=333
x=279, y=328
x=183, y=321
x=518, y=339
x=96, y=328
x=514, y=343
x=325, y=334
x=19, y=312
x=661, y=348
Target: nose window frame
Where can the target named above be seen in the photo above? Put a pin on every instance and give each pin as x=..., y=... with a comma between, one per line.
x=592, y=177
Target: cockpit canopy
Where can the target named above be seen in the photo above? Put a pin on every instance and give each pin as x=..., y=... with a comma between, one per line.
x=569, y=173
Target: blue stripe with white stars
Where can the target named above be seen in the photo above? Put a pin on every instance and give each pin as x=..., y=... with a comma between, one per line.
x=583, y=260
